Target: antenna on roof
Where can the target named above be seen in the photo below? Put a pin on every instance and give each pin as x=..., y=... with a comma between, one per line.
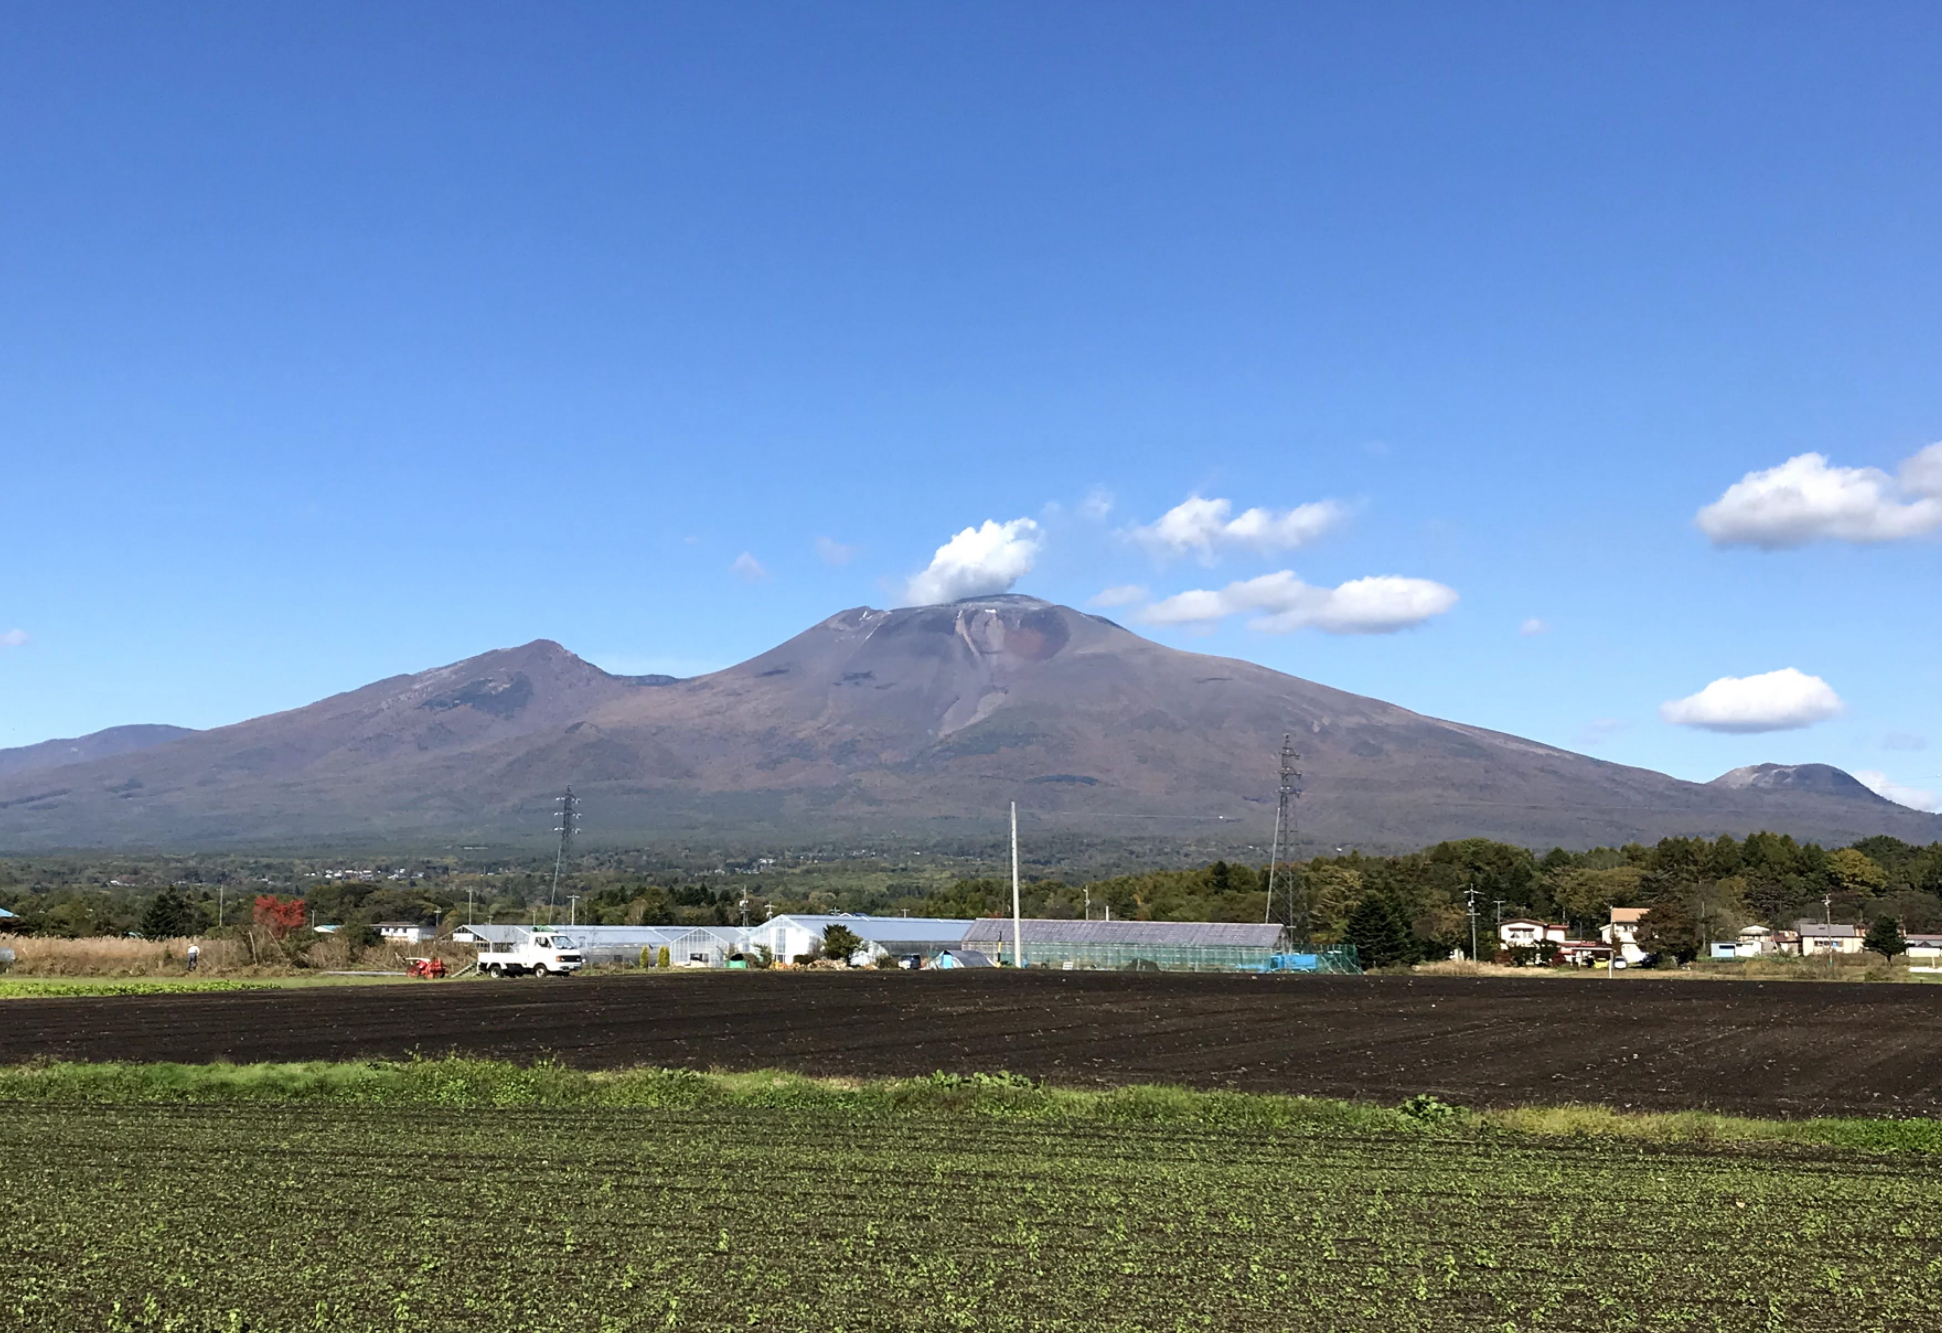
x=1284, y=825
x=569, y=820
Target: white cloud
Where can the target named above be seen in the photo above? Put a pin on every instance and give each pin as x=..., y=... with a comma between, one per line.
x=1534, y=626
x=1123, y=595
x=1097, y=504
x=976, y=563
x=1916, y=798
x=13, y=638
x=1600, y=730
x=1904, y=740
x=1806, y=499
x=1201, y=526
x=1281, y=603
x=748, y=568
x=1777, y=701
x=836, y=553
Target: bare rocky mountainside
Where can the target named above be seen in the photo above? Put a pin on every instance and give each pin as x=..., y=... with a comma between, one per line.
x=918, y=722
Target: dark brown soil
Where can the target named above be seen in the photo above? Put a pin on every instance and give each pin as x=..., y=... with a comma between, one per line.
x=1758, y=1048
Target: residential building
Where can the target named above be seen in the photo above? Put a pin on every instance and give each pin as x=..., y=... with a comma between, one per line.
x=1623, y=933
x=1817, y=937
x=1525, y=932
x=406, y=932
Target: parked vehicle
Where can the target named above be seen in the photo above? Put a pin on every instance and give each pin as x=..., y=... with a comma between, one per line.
x=543, y=955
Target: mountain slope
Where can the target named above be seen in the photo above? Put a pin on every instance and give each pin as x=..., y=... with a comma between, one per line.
x=915, y=721
x=96, y=745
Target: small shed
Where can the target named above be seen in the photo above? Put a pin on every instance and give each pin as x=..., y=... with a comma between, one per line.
x=406, y=932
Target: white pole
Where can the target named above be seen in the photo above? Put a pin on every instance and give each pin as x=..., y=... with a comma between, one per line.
x=1017, y=921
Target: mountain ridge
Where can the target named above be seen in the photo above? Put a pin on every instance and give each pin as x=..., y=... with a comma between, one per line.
x=919, y=720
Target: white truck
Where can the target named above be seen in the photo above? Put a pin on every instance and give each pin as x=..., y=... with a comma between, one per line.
x=542, y=953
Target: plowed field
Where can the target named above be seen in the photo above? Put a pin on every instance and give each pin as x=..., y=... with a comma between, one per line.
x=1772, y=1049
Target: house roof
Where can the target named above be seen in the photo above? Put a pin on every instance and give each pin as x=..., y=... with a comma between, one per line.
x=402, y=925
x=5, y=915
x=1532, y=921
x=1820, y=930
x=1628, y=916
x=994, y=930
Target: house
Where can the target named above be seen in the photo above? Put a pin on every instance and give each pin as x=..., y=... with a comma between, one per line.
x=1525, y=932
x=1818, y=937
x=1623, y=933
x=406, y=932
x=1753, y=941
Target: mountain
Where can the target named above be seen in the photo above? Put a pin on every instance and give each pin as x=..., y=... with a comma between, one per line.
x=79, y=749
x=1823, y=778
x=923, y=721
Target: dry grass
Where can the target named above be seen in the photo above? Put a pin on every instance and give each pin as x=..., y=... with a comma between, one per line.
x=250, y=954
x=1466, y=968
x=111, y=956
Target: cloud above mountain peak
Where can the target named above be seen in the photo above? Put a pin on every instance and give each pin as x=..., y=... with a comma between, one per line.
x=976, y=563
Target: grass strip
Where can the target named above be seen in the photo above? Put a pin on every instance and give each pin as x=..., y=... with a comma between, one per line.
x=460, y=1082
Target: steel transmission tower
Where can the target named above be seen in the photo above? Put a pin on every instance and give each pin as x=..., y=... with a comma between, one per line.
x=569, y=817
x=1284, y=831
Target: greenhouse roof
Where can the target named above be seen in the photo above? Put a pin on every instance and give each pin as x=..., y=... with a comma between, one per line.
x=1041, y=930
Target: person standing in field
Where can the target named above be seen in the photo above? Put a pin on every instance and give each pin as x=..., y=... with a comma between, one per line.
x=195, y=956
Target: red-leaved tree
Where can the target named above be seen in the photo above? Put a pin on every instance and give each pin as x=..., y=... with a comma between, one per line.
x=279, y=916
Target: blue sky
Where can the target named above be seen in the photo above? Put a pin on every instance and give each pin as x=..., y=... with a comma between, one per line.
x=343, y=342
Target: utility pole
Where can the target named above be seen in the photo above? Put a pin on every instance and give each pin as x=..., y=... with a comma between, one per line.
x=1017, y=920
x=1611, y=931
x=1827, y=941
x=1286, y=791
x=569, y=817
x=1470, y=909
x=469, y=913
x=1088, y=893
x=573, y=909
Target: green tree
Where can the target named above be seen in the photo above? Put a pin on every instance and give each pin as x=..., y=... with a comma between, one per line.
x=1333, y=892
x=1885, y=937
x=839, y=942
x=168, y=917
x=1380, y=935
x=1671, y=931
x=1856, y=872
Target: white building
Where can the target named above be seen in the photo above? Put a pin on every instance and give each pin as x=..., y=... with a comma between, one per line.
x=1623, y=933
x=791, y=937
x=406, y=932
x=1525, y=932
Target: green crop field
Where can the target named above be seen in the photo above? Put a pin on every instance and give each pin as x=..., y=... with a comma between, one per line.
x=347, y=1200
